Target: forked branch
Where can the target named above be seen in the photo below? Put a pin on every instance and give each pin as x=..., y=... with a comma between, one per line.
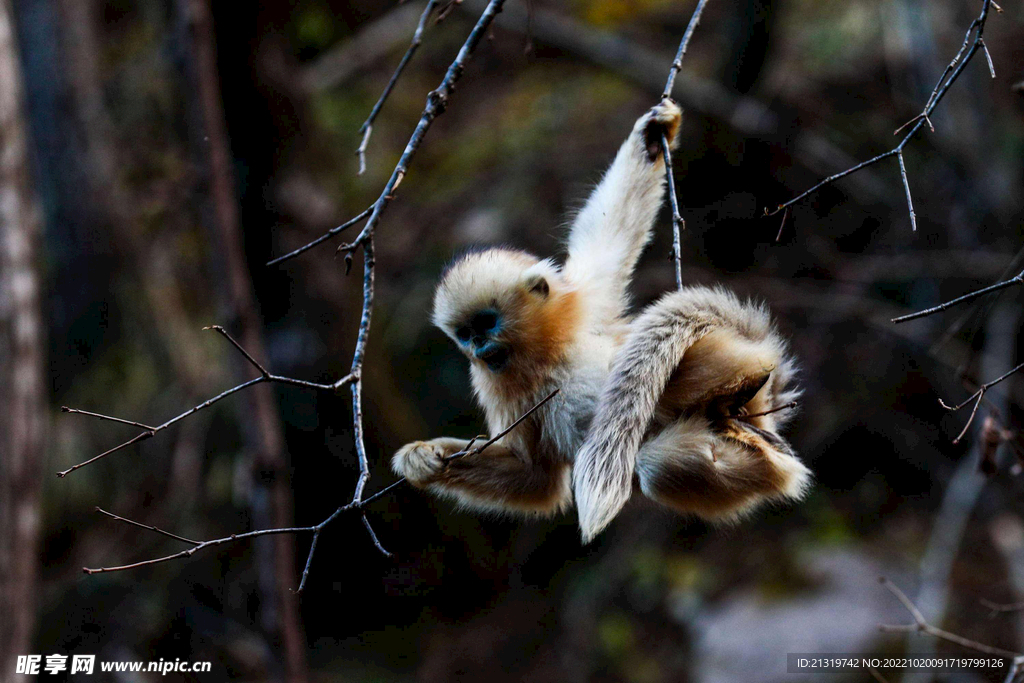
x=357, y=505
x=437, y=102
x=149, y=432
x=973, y=42
x=977, y=398
x=921, y=625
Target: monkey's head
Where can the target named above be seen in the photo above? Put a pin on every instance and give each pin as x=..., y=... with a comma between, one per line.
x=508, y=311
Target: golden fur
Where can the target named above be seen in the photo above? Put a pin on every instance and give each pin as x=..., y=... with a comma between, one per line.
x=659, y=399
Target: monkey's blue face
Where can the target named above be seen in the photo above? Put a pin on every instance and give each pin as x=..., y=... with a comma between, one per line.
x=479, y=338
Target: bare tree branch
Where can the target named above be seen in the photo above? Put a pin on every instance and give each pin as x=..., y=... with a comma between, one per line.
x=977, y=397
x=367, y=128
x=437, y=102
x=678, y=224
x=323, y=238
x=677, y=63
x=922, y=626
x=1018, y=279
x=906, y=187
x=1003, y=607
x=949, y=76
x=357, y=504
x=152, y=431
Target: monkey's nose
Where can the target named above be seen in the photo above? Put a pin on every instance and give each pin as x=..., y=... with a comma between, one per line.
x=484, y=322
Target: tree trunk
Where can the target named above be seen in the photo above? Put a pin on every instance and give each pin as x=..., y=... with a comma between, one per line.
x=22, y=400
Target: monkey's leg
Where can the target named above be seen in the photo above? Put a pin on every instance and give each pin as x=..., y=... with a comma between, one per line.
x=496, y=479
x=718, y=470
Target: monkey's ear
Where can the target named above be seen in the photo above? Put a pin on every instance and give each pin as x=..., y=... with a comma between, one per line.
x=538, y=284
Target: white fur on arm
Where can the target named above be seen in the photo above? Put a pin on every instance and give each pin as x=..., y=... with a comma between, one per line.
x=614, y=226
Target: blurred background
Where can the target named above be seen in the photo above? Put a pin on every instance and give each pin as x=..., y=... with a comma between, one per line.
x=157, y=153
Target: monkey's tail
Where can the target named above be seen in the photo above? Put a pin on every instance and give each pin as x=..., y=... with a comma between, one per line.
x=603, y=468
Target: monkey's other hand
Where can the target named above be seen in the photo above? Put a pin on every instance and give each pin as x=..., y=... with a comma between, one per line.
x=665, y=117
x=419, y=462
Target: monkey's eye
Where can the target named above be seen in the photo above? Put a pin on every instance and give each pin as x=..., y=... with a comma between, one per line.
x=464, y=333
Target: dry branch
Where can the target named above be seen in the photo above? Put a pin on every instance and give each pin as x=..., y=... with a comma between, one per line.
x=977, y=397
x=367, y=128
x=149, y=432
x=437, y=102
x=678, y=224
x=1003, y=606
x=921, y=625
x=949, y=76
x=358, y=504
x=1019, y=279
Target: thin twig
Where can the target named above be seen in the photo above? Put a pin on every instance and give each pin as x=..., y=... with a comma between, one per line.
x=677, y=63
x=168, y=534
x=194, y=549
x=949, y=76
x=906, y=187
x=224, y=333
x=65, y=409
x=678, y=224
x=1019, y=279
x=357, y=371
x=921, y=625
x=977, y=397
x=323, y=238
x=149, y=432
x=784, y=406
x=437, y=102
x=373, y=537
x=502, y=433
x=782, y=224
x=367, y=128
x=358, y=504
x=1004, y=606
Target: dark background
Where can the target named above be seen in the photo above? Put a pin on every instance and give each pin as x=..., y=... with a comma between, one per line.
x=778, y=94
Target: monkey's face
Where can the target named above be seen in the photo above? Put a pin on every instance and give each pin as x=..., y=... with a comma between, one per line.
x=497, y=306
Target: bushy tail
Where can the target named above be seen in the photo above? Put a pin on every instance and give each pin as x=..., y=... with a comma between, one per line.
x=603, y=469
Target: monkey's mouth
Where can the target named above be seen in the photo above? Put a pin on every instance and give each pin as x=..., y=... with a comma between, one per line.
x=494, y=355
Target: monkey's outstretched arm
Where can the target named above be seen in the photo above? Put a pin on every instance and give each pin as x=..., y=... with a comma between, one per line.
x=497, y=478
x=614, y=225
